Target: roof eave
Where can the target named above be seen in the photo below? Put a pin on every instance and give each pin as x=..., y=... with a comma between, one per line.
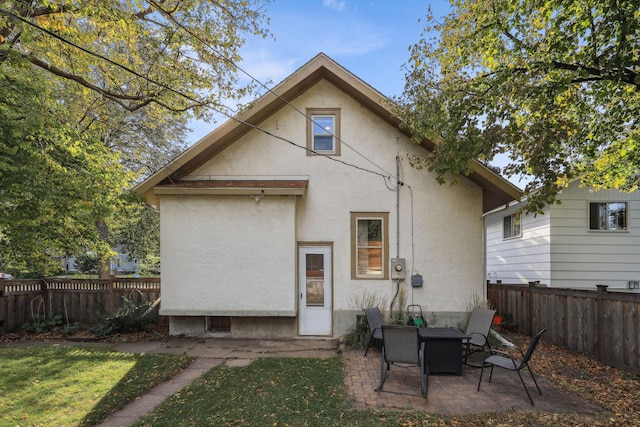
x=497, y=190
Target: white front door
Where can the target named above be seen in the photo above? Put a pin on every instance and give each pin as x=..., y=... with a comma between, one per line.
x=315, y=283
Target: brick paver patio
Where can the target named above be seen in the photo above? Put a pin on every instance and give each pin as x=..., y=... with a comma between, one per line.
x=451, y=394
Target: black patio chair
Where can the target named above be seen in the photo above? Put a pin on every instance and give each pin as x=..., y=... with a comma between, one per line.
x=401, y=344
x=478, y=329
x=375, y=322
x=504, y=360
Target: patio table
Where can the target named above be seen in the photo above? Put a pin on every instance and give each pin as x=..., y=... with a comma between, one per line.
x=443, y=348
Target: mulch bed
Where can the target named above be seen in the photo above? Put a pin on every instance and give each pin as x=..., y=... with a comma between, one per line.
x=615, y=390
x=151, y=333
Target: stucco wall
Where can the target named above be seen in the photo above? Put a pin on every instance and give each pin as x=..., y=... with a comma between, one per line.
x=439, y=233
x=228, y=256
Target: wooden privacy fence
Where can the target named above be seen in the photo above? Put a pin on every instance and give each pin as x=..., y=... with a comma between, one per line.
x=77, y=300
x=599, y=323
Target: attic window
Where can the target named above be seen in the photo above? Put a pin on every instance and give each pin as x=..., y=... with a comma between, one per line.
x=323, y=131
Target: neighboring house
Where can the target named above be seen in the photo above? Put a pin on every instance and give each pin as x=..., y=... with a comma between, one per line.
x=120, y=263
x=261, y=237
x=591, y=238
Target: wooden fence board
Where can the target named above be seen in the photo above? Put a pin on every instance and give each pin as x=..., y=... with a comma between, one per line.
x=603, y=324
x=87, y=301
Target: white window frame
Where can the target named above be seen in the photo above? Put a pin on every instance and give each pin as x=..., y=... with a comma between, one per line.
x=313, y=115
x=514, y=229
x=607, y=224
x=384, y=244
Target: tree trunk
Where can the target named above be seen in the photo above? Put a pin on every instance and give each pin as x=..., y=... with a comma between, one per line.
x=104, y=269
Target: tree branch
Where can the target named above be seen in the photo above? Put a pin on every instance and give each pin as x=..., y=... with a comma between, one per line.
x=120, y=98
x=617, y=74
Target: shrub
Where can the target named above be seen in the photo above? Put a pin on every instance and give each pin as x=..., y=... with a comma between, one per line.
x=42, y=324
x=130, y=317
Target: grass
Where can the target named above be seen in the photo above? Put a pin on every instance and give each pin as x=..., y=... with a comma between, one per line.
x=273, y=392
x=75, y=386
x=67, y=386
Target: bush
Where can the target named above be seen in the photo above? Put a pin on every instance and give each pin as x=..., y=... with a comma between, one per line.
x=129, y=317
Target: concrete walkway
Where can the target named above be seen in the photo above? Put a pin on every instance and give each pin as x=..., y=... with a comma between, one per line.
x=208, y=353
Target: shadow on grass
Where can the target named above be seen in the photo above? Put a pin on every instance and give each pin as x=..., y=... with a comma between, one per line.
x=72, y=386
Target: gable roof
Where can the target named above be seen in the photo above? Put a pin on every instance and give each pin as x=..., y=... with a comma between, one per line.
x=497, y=191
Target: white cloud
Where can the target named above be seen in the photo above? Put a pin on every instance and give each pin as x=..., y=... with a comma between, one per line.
x=334, y=4
x=264, y=66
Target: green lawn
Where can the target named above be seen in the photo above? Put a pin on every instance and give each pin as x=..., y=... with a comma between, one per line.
x=273, y=392
x=75, y=386
x=72, y=386
x=278, y=392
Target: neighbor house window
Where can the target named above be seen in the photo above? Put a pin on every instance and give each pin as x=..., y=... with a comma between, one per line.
x=369, y=245
x=511, y=226
x=608, y=216
x=323, y=131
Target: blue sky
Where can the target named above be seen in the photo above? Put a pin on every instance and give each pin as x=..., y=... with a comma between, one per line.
x=370, y=38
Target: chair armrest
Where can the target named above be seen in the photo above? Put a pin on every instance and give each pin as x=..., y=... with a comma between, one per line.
x=514, y=347
x=478, y=333
x=376, y=331
x=503, y=355
x=480, y=342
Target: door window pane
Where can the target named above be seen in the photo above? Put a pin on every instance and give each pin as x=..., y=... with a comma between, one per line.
x=315, y=280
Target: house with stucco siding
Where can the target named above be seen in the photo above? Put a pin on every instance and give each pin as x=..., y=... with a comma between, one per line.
x=282, y=220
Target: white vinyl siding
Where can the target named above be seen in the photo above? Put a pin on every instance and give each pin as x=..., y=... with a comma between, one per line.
x=520, y=260
x=578, y=257
x=582, y=257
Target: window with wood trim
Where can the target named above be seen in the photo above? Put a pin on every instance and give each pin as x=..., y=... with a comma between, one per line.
x=369, y=245
x=323, y=131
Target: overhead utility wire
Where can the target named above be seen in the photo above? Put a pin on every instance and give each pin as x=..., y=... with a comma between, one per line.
x=177, y=92
x=223, y=57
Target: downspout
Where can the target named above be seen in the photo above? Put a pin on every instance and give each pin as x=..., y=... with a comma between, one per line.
x=484, y=248
x=398, y=185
